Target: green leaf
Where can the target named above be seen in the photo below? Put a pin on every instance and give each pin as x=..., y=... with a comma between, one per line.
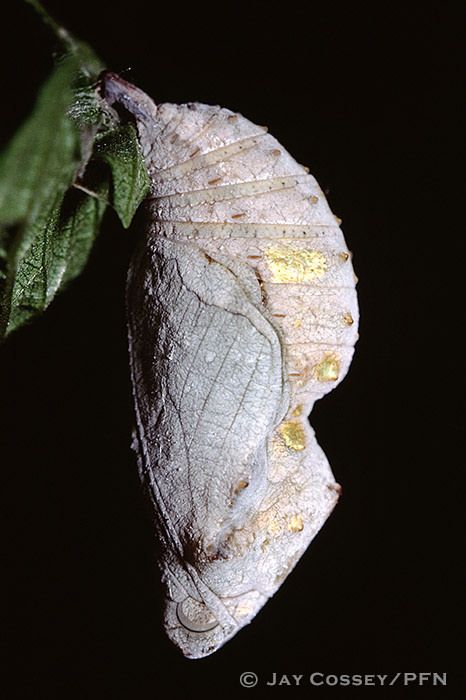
x=80, y=226
x=119, y=148
x=47, y=226
x=58, y=254
x=45, y=149
x=35, y=171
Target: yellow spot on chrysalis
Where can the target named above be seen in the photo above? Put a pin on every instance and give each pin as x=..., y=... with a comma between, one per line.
x=295, y=523
x=297, y=411
x=344, y=256
x=348, y=319
x=314, y=199
x=292, y=434
x=328, y=369
x=242, y=484
x=297, y=323
x=295, y=265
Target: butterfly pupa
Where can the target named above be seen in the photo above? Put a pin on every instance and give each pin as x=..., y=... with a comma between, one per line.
x=242, y=312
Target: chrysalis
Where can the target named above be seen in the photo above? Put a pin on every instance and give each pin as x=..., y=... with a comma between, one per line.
x=242, y=312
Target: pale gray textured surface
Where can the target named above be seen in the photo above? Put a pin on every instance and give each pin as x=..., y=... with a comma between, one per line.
x=242, y=312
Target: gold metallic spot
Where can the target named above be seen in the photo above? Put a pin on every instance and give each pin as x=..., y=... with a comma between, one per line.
x=296, y=523
x=297, y=323
x=348, y=319
x=314, y=199
x=297, y=411
x=344, y=256
x=328, y=369
x=242, y=484
x=292, y=434
x=295, y=265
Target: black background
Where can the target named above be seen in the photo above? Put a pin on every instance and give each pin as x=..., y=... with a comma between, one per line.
x=351, y=91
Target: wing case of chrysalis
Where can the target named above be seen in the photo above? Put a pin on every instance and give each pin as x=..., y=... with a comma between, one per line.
x=242, y=312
